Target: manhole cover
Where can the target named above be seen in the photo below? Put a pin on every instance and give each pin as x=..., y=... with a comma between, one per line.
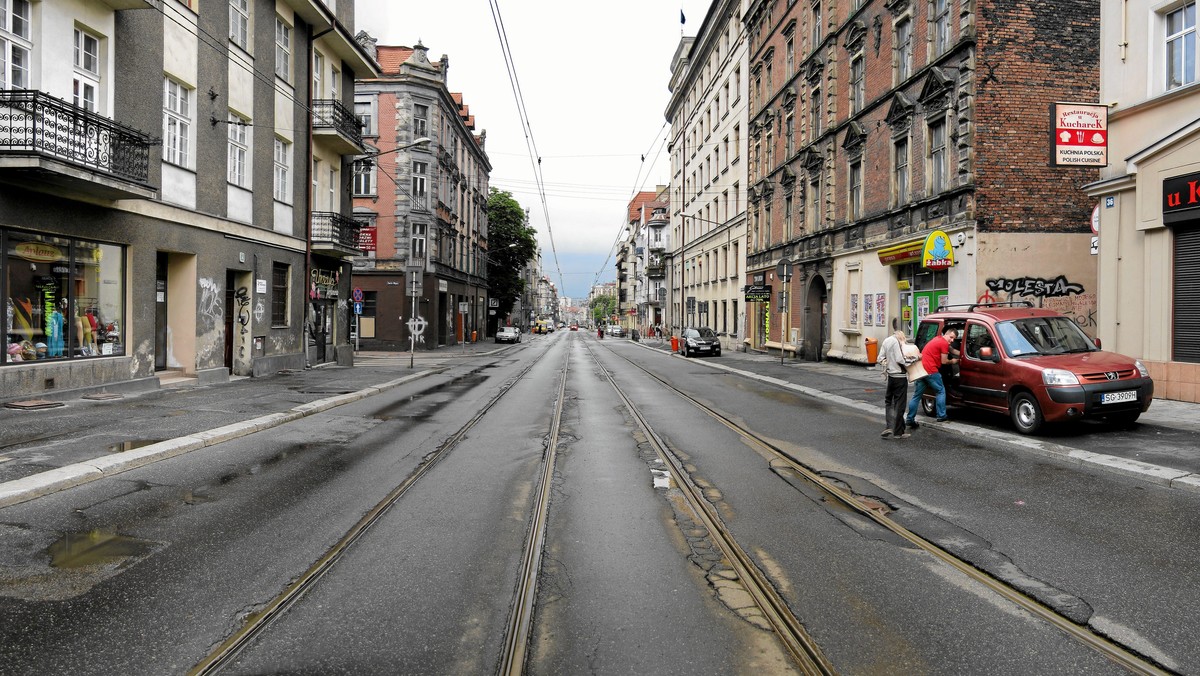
x=33, y=404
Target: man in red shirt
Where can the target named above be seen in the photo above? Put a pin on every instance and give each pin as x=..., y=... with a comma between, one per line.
x=935, y=353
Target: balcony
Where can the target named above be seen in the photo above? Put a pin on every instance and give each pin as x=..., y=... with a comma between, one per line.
x=337, y=126
x=334, y=234
x=656, y=270
x=45, y=141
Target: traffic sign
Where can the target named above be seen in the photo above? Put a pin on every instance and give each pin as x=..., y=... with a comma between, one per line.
x=356, y=295
x=784, y=269
x=358, y=307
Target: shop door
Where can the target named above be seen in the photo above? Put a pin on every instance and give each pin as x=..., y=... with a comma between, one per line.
x=322, y=317
x=915, y=305
x=230, y=312
x=160, y=312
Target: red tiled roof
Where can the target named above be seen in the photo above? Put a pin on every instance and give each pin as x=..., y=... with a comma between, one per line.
x=390, y=58
x=640, y=199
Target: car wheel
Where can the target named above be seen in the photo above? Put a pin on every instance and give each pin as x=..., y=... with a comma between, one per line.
x=1025, y=413
x=929, y=406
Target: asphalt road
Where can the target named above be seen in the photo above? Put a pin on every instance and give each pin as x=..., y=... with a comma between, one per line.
x=146, y=570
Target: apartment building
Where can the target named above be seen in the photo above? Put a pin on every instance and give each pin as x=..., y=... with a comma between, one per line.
x=708, y=112
x=1148, y=197
x=900, y=160
x=159, y=189
x=421, y=195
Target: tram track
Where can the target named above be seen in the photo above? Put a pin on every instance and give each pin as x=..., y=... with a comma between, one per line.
x=799, y=644
x=868, y=508
x=526, y=589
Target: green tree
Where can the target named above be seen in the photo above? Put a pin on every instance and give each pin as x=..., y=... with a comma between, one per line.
x=602, y=308
x=512, y=243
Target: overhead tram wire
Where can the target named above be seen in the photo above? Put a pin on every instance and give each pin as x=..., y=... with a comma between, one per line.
x=530, y=144
x=639, y=183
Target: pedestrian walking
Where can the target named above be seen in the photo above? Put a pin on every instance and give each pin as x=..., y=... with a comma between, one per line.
x=933, y=356
x=895, y=359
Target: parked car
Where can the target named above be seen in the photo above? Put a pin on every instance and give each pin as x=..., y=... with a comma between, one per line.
x=508, y=334
x=1036, y=365
x=616, y=330
x=699, y=341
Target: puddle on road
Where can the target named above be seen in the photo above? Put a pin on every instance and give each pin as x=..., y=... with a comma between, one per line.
x=123, y=446
x=81, y=550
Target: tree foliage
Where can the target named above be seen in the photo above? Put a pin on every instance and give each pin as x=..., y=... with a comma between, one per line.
x=512, y=243
x=602, y=308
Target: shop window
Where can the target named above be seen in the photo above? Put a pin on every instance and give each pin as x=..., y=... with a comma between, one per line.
x=64, y=299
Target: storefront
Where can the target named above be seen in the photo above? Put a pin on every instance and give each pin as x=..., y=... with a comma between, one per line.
x=1181, y=214
x=64, y=297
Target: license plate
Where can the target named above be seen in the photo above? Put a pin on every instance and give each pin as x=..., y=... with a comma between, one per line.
x=1117, y=397
x=702, y=347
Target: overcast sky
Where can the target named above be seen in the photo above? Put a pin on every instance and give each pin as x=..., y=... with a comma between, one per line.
x=594, y=80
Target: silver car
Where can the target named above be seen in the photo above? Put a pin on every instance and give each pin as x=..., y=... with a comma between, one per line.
x=508, y=334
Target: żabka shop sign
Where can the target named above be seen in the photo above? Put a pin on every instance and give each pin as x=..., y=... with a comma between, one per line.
x=1181, y=198
x=1080, y=135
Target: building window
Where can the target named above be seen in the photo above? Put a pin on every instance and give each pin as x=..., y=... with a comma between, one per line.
x=790, y=51
x=239, y=147
x=87, y=70
x=856, y=187
x=788, y=232
x=177, y=123
x=420, y=183
x=239, y=23
x=318, y=72
x=66, y=298
x=857, y=83
x=420, y=121
x=283, y=169
x=814, y=123
x=816, y=23
x=940, y=26
x=789, y=138
x=900, y=180
x=1181, y=46
x=904, y=50
x=417, y=241
x=283, y=49
x=363, y=110
x=280, y=272
x=364, y=178
x=937, y=156
x=15, y=47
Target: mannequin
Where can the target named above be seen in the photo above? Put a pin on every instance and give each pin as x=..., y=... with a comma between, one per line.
x=54, y=329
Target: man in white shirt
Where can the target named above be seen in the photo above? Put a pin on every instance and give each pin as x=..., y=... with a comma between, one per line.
x=896, y=360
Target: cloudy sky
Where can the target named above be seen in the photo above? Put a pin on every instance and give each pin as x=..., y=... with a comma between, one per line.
x=593, y=77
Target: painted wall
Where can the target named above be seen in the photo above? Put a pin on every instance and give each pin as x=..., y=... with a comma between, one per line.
x=1055, y=271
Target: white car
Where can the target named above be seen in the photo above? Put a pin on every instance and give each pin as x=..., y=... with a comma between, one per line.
x=508, y=334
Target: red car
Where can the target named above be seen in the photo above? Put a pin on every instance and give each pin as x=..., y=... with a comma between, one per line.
x=574, y=327
x=1036, y=365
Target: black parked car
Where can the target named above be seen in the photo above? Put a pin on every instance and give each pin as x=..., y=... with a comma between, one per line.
x=699, y=341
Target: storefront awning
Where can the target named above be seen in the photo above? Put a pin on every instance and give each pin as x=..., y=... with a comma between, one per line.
x=899, y=254
x=933, y=252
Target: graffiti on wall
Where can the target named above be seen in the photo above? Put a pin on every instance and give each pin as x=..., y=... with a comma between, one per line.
x=1035, y=287
x=1058, y=294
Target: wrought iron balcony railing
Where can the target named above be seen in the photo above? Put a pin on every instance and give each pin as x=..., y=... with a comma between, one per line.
x=33, y=122
x=333, y=229
x=333, y=114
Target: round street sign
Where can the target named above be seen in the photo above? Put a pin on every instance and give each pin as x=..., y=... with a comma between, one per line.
x=356, y=295
x=784, y=269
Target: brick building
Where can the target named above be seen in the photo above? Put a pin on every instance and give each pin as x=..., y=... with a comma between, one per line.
x=422, y=198
x=899, y=159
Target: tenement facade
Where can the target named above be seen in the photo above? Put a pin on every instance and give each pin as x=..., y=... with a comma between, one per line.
x=172, y=196
x=421, y=194
x=899, y=161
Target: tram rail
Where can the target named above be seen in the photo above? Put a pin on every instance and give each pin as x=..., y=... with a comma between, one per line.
x=1115, y=652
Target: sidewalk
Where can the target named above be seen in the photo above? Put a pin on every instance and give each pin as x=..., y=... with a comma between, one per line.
x=82, y=438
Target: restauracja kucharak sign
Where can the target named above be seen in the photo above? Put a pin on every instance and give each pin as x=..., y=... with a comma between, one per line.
x=1079, y=135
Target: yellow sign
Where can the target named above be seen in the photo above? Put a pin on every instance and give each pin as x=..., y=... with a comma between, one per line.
x=37, y=252
x=937, y=254
x=903, y=285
